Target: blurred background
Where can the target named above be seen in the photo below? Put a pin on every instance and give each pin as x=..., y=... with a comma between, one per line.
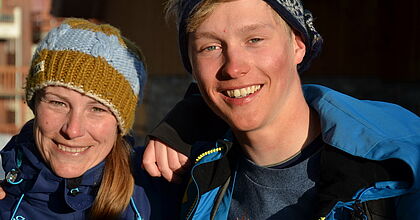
x=371, y=51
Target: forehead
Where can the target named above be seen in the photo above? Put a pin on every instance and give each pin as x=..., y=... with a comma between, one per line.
x=246, y=15
x=60, y=90
x=251, y=11
x=66, y=93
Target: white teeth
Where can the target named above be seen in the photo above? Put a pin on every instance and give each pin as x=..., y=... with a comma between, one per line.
x=236, y=92
x=240, y=93
x=244, y=92
x=72, y=149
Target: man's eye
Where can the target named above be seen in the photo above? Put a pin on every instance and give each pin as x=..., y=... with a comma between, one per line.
x=255, y=40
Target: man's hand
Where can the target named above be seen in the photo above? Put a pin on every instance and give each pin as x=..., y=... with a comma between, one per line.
x=161, y=160
x=2, y=192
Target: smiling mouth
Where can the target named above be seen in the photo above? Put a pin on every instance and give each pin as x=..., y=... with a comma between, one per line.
x=242, y=92
x=72, y=149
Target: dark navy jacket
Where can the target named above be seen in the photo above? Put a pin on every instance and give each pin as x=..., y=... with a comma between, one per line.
x=39, y=194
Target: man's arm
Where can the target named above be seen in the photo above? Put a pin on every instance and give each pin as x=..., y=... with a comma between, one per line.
x=170, y=142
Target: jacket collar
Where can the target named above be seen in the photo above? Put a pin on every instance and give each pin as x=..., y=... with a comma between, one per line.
x=368, y=129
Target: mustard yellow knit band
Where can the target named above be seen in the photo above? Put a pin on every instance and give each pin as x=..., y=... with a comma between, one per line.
x=89, y=75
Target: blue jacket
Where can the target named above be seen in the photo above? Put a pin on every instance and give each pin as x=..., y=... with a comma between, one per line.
x=37, y=193
x=373, y=131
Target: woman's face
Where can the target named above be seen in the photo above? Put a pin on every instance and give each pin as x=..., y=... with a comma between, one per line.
x=73, y=132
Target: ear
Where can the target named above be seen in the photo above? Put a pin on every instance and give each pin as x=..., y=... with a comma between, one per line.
x=299, y=48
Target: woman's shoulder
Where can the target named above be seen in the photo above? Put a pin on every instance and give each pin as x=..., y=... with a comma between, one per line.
x=164, y=197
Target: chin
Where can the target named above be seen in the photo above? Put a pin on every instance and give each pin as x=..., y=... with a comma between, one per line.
x=243, y=125
x=67, y=173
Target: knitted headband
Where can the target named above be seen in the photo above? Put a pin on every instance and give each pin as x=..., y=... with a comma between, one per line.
x=94, y=60
x=291, y=11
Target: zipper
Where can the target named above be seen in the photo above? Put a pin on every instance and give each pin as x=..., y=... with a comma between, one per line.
x=207, y=153
x=358, y=213
x=192, y=207
x=201, y=156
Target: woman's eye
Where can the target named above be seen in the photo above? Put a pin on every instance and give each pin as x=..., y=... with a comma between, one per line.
x=210, y=48
x=97, y=109
x=57, y=103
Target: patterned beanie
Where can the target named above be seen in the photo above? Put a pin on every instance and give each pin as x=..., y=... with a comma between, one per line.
x=291, y=11
x=94, y=60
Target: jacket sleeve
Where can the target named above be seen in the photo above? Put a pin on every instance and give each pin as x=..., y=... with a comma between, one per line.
x=190, y=120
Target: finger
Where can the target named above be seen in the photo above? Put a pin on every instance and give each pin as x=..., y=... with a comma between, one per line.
x=183, y=160
x=149, y=160
x=162, y=160
x=173, y=160
x=2, y=193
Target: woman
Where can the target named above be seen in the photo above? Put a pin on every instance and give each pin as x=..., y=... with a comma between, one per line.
x=83, y=87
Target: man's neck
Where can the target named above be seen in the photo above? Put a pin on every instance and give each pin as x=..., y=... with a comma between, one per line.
x=291, y=132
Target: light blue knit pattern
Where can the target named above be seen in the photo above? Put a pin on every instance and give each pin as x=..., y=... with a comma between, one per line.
x=98, y=44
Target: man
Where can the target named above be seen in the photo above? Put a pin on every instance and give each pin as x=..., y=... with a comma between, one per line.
x=293, y=151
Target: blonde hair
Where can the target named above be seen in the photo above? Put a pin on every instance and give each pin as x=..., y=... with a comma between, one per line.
x=202, y=11
x=117, y=184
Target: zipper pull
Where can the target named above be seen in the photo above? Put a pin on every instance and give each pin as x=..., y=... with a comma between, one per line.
x=358, y=212
x=13, y=176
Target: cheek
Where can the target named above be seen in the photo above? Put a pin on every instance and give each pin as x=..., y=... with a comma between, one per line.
x=104, y=131
x=278, y=66
x=204, y=84
x=47, y=122
x=42, y=140
x=106, y=139
x=206, y=67
x=110, y=135
x=275, y=56
x=205, y=72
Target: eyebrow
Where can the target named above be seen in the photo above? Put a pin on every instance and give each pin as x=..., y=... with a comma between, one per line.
x=254, y=27
x=199, y=35
x=244, y=29
x=65, y=98
x=53, y=94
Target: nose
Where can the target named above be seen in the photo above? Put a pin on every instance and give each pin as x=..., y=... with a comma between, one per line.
x=236, y=63
x=74, y=127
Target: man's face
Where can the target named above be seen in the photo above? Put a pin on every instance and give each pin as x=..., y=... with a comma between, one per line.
x=244, y=61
